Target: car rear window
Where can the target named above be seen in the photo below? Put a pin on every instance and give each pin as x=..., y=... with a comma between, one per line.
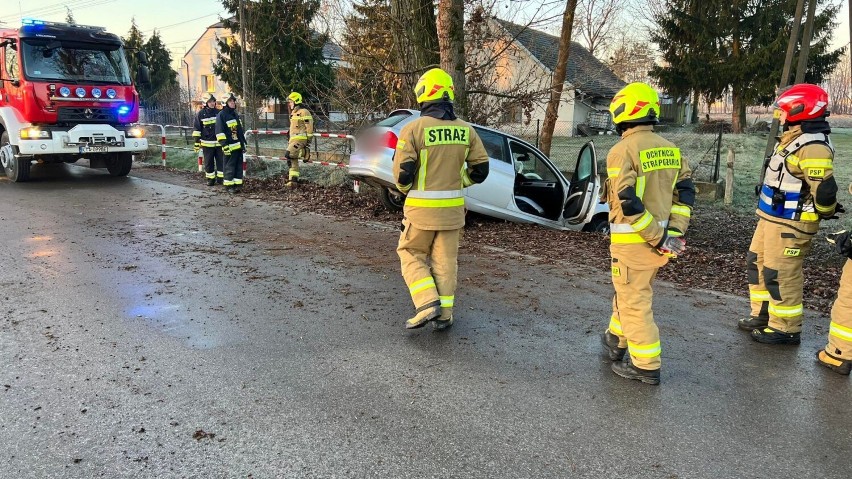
x=392, y=120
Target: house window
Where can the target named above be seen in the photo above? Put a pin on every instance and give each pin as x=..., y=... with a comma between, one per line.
x=208, y=82
x=512, y=113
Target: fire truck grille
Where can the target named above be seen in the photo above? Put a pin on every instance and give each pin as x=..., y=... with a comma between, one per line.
x=87, y=115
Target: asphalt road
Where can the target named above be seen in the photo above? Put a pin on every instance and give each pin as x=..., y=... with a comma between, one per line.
x=152, y=328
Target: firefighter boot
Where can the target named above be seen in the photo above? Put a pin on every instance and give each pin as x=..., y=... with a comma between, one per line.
x=610, y=343
x=770, y=335
x=211, y=181
x=445, y=320
x=840, y=366
x=629, y=371
x=423, y=315
x=753, y=322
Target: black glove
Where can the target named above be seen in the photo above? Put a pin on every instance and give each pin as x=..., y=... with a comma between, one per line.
x=839, y=209
x=842, y=242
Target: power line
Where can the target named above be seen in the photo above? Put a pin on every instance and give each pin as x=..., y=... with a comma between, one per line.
x=59, y=8
x=181, y=23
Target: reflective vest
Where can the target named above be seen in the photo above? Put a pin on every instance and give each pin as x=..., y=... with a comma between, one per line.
x=205, y=127
x=782, y=194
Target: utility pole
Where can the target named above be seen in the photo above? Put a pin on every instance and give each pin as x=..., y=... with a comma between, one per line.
x=785, y=79
x=243, y=51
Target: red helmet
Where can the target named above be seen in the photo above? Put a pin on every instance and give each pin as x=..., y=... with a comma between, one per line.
x=803, y=102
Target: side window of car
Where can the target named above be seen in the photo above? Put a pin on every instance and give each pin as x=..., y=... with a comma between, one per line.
x=11, y=63
x=495, y=144
x=530, y=164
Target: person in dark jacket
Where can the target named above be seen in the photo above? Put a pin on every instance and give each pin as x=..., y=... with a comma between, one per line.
x=232, y=137
x=205, y=139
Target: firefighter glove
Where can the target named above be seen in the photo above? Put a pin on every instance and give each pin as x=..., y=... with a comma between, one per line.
x=226, y=149
x=842, y=242
x=196, y=147
x=672, y=247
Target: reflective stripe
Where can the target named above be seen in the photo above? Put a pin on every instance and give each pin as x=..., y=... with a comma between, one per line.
x=643, y=222
x=841, y=332
x=646, y=351
x=421, y=285
x=210, y=176
x=613, y=172
x=196, y=133
x=228, y=183
x=209, y=143
x=299, y=137
x=640, y=187
x=294, y=173
x=301, y=117
x=805, y=216
x=231, y=123
x=759, y=295
x=234, y=146
x=445, y=194
x=447, y=301
x=221, y=136
x=626, y=228
x=825, y=209
x=433, y=203
x=682, y=210
x=815, y=163
x=626, y=238
x=208, y=121
x=785, y=311
x=238, y=181
x=615, y=326
x=421, y=174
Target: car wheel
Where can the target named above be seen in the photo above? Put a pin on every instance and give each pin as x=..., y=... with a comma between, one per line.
x=17, y=169
x=120, y=164
x=393, y=199
x=599, y=224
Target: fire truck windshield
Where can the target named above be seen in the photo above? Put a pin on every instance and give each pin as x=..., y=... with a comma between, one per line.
x=74, y=62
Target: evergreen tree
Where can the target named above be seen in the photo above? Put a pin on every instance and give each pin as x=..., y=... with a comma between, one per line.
x=133, y=42
x=711, y=46
x=284, y=53
x=69, y=17
x=159, y=63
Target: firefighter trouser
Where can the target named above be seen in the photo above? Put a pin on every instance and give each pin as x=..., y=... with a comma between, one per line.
x=774, y=264
x=840, y=331
x=632, y=319
x=297, y=150
x=213, y=159
x=234, y=168
x=430, y=285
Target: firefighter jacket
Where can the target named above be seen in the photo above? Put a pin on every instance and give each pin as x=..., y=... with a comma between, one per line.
x=301, y=124
x=650, y=194
x=205, y=127
x=229, y=129
x=434, y=160
x=799, y=186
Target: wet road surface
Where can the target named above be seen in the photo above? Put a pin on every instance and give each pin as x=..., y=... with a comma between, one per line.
x=151, y=328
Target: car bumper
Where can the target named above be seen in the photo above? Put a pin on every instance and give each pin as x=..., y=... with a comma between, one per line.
x=377, y=168
x=83, y=139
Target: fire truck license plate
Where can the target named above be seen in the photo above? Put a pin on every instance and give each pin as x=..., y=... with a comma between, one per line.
x=94, y=149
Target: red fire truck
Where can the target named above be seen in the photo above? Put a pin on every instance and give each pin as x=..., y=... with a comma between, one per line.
x=66, y=94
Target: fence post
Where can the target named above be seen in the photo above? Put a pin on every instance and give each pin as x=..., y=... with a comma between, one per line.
x=537, y=130
x=718, y=152
x=729, y=178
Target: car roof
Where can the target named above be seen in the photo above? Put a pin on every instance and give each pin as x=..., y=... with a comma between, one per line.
x=416, y=113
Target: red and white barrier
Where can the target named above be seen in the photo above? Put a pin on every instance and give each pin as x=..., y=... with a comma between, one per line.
x=162, y=139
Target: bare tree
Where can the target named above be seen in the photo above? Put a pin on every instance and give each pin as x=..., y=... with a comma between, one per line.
x=416, y=37
x=558, y=81
x=839, y=87
x=595, y=22
x=451, y=42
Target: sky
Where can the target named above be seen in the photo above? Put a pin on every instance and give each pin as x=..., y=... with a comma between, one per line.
x=181, y=22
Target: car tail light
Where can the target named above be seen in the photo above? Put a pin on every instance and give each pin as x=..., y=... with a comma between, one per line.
x=390, y=140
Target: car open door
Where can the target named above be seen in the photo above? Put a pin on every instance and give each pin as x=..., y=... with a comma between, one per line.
x=585, y=186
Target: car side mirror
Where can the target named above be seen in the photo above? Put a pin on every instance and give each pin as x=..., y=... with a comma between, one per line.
x=143, y=75
x=142, y=57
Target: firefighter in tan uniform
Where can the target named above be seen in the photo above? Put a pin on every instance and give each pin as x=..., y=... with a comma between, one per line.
x=837, y=354
x=798, y=191
x=650, y=194
x=436, y=156
x=301, y=129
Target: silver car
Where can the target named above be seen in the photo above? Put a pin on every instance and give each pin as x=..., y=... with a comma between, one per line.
x=523, y=185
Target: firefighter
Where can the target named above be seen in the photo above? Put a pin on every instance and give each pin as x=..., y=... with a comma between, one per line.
x=797, y=192
x=232, y=137
x=205, y=139
x=436, y=156
x=650, y=193
x=837, y=354
x=301, y=128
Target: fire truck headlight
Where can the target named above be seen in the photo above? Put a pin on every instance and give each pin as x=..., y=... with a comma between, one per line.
x=65, y=91
x=80, y=92
x=110, y=93
x=35, y=134
x=96, y=92
x=136, y=132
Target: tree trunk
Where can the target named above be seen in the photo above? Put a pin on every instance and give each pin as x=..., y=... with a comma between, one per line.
x=558, y=78
x=451, y=42
x=738, y=118
x=416, y=36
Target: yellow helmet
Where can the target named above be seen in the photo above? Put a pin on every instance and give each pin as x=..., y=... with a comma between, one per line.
x=635, y=103
x=434, y=85
x=295, y=97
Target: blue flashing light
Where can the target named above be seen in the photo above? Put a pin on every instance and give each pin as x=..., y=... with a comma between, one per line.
x=123, y=110
x=31, y=21
x=65, y=91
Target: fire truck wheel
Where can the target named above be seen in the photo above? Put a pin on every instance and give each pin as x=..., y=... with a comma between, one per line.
x=17, y=169
x=120, y=164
